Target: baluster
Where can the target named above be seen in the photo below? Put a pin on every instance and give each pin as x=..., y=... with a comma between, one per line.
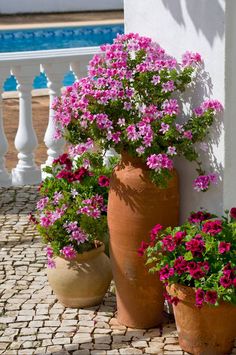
x=109, y=154
x=26, y=172
x=5, y=178
x=55, y=74
x=80, y=68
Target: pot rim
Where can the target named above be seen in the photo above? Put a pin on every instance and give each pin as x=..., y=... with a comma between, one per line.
x=187, y=294
x=86, y=255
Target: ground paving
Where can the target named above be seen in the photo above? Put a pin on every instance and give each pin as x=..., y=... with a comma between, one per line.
x=32, y=321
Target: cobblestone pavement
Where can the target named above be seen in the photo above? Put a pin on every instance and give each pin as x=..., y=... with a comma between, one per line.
x=32, y=321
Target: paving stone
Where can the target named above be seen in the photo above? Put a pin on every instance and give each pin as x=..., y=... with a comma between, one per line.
x=172, y=347
x=139, y=344
x=130, y=351
x=81, y=352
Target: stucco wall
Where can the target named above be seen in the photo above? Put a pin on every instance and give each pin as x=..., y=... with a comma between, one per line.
x=180, y=25
x=28, y=6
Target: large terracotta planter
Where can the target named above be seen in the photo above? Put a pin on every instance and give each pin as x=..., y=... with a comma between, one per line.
x=81, y=282
x=206, y=331
x=135, y=205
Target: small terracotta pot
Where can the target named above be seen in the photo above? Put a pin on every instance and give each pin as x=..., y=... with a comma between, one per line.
x=135, y=205
x=209, y=330
x=83, y=281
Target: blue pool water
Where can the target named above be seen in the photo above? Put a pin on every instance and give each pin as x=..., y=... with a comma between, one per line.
x=54, y=38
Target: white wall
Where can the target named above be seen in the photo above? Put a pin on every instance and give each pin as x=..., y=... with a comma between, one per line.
x=28, y=6
x=199, y=25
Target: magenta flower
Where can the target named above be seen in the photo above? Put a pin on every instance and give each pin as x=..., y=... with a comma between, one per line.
x=171, y=151
x=68, y=252
x=211, y=297
x=140, y=150
x=103, y=181
x=156, y=79
x=166, y=272
x=200, y=297
x=188, y=135
x=212, y=227
x=180, y=265
x=142, y=249
x=51, y=263
x=168, y=243
x=41, y=204
x=224, y=247
x=190, y=58
x=164, y=128
x=170, y=107
x=233, y=213
x=198, y=217
x=202, y=182
x=225, y=281
x=158, y=162
x=168, y=86
x=196, y=245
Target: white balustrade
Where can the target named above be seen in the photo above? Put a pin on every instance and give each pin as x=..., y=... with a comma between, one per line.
x=25, y=66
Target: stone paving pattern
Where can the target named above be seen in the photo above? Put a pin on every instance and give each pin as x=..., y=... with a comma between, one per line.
x=32, y=321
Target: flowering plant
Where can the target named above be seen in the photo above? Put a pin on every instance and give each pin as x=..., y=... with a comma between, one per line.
x=199, y=254
x=71, y=214
x=128, y=102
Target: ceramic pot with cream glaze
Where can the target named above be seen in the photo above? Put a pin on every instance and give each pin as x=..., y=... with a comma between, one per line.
x=83, y=281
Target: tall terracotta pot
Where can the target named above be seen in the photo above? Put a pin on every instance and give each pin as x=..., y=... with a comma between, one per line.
x=135, y=205
x=206, y=331
x=83, y=281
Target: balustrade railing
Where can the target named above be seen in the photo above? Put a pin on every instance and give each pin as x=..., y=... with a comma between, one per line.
x=25, y=66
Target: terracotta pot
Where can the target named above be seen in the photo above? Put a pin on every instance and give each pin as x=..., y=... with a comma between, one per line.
x=135, y=205
x=206, y=331
x=81, y=282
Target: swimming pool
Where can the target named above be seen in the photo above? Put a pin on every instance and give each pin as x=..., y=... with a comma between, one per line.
x=54, y=38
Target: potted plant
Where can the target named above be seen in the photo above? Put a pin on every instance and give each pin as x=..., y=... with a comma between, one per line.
x=71, y=217
x=131, y=101
x=197, y=264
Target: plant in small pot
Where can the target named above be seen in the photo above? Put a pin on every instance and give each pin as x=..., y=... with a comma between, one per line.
x=131, y=101
x=197, y=264
x=71, y=217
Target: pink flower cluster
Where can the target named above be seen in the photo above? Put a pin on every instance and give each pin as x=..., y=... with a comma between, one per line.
x=50, y=262
x=126, y=101
x=202, y=182
x=212, y=227
x=68, y=252
x=75, y=232
x=158, y=162
x=213, y=105
x=229, y=276
x=208, y=296
x=199, y=216
x=93, y=207
x=48, y=218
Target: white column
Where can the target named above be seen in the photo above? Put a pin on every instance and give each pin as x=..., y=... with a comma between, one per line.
x=55, y=74
x=80, y=67
x=26, y=172
x=5, y=178
x=109, y=154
